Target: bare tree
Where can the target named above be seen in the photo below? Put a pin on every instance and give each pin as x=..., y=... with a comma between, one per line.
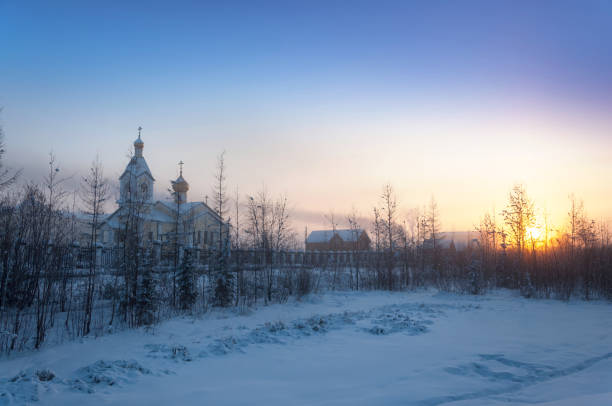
x=219, y=193
x=8, y=219
x=353, y=221
x=174, y=239
x=519, y=215
x=413, y=244
x=223, y=279
x=378, y=228
x=334, y=246
x=280, y=220
x=421, y=237
x=333, y=223
x=488, y=233
x=94, y=193
x=49, y=233
x=7, y=177
x=390, y=228
x=269, y=230
x=237, y=220
x=434, y=230
x=574, y=216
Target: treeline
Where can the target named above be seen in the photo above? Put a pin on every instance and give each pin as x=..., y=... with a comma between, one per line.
x=530, y=254
x=46, y=295
x=522, y=251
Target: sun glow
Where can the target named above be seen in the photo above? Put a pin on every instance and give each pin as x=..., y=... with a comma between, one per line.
x=534, y=233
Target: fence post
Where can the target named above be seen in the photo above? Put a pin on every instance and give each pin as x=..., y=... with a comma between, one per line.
x=75, y=253
x=157, y=251
x=98, y=255
x=181, y=250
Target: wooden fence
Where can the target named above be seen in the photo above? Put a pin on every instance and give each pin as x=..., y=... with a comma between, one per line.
x=111, y=257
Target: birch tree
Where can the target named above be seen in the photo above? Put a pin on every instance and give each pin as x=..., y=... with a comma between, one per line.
x=7, y=176
x=519, y=215
x=94, y=193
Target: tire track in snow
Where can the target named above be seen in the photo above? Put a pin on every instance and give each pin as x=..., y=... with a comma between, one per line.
x=534, y=374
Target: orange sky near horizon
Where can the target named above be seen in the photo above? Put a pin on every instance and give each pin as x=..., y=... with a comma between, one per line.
x=469, y=164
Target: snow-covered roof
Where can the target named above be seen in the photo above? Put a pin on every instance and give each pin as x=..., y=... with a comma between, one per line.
x=137, y=166
x=348, y=235
x=183, y=207
x=158, y=215
x=162, y=212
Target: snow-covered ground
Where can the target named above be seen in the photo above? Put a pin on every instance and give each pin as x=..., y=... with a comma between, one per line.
x=371, y=348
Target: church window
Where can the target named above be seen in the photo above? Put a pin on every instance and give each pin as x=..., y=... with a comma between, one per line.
x=144, y=189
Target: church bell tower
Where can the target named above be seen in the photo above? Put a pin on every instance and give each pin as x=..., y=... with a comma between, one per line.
x=136, y=182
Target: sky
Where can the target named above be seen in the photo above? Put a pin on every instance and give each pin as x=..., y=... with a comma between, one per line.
x=324, y=102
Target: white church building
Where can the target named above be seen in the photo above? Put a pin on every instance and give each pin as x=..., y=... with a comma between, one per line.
x=196, y=224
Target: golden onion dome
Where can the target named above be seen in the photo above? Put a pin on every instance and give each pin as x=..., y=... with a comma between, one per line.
x=180, y=185
x=138, y=143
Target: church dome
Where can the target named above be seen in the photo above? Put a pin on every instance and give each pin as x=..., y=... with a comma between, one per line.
x=180, y=185
x=138, y=145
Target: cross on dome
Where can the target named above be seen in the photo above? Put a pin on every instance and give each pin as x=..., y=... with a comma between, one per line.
x=180, y=186
x=138, y=144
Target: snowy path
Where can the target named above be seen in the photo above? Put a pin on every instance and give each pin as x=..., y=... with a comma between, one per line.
x=370, y=348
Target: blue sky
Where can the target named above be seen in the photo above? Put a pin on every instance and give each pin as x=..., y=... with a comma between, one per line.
x=407, y=92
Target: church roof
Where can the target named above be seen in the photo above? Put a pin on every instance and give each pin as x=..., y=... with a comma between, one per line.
x=190, y=206
x=163, y=212
x=137, y=166
x=320, y=236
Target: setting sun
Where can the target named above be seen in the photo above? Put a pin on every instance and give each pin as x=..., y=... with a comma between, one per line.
x=534, y=232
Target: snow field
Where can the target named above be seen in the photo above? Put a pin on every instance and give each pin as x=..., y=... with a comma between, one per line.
x=369, y=348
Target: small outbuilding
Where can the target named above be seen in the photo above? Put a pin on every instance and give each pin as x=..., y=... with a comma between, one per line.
x=338, y=240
